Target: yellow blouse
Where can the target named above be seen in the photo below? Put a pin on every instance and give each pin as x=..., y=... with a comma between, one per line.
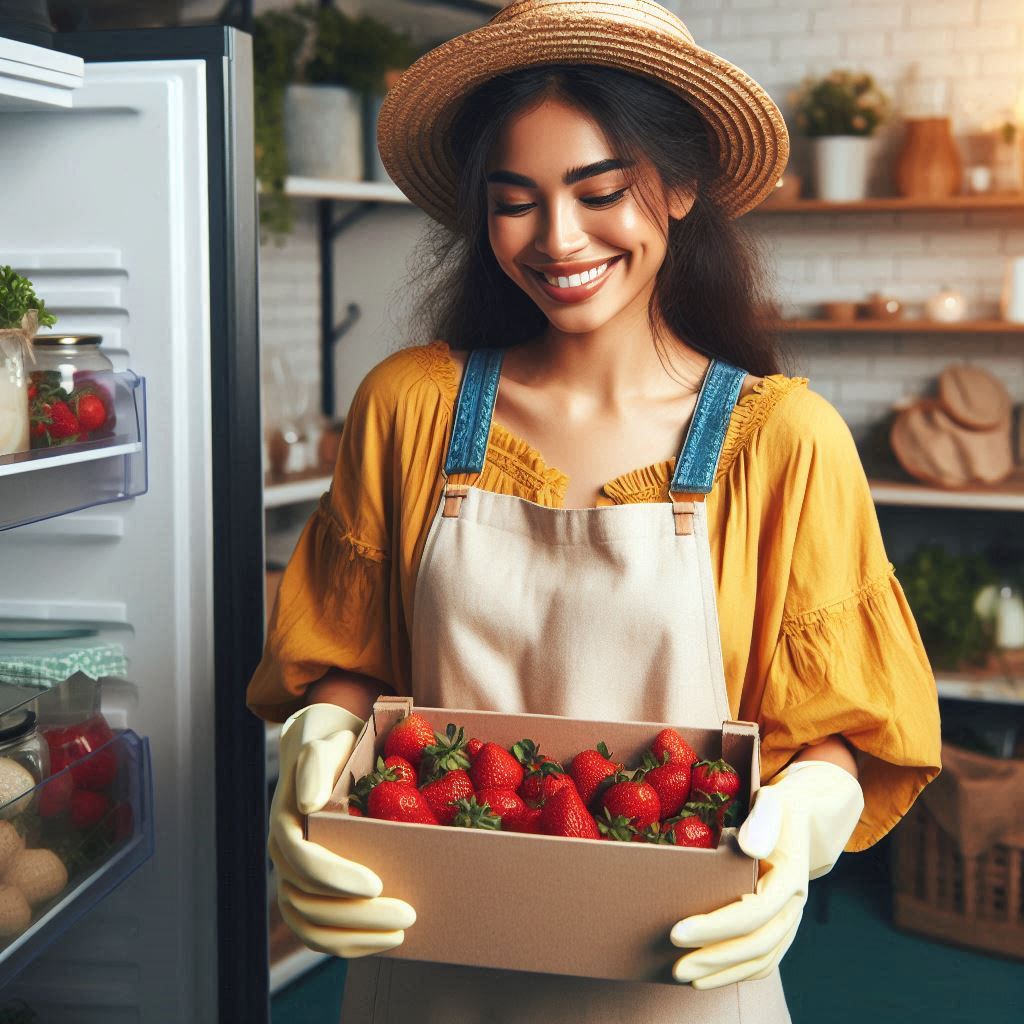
x=817, y=636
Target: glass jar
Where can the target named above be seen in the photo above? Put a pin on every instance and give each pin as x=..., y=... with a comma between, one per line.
x=13, y=397
x=71, y=390
x=74, y=727
x=24, y=761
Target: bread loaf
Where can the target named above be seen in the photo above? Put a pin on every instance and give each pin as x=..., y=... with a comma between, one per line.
x=975, y=398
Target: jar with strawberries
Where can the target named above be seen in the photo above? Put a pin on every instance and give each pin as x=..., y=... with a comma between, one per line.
x=70, y=391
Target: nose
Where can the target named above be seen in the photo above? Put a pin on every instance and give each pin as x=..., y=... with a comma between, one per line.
x=559, y=233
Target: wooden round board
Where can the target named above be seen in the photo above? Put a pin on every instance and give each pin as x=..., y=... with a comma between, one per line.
x=974, y=397
x=934, y=448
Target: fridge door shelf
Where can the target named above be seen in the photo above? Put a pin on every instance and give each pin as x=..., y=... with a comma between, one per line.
x=99, y=856
x=47, y=482
x=37, y=77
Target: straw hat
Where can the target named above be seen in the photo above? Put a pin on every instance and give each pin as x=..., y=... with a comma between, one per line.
x=635, y=35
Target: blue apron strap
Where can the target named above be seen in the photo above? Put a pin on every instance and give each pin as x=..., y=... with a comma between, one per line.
x=695, y=469
x=471, y=426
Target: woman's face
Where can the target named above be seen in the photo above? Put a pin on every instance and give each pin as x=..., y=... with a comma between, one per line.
x=546, y=218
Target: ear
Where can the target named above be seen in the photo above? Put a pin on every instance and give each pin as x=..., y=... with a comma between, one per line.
x=680, y=200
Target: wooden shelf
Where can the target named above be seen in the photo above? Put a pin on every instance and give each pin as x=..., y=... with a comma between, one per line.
x=902, y=326
x=295, y=488
x=896, y=204
x=980, y=685
x=1007, y=496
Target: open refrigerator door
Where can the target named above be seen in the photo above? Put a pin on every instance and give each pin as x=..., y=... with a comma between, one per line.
x=132, y=210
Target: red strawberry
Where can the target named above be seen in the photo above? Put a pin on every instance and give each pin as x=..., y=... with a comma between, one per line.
x=505, y=803
x=495, y=768
x=63, y=422
x=402, y=770
x=670, y=742
x=123, y=824
x=528, y=821
x=565, y=814
x=542, y=775
x=408, y=738
x=660, y=833
x=713, y=777
x=473, y=748
x=353, y=809
x=56, y=795
x=470, y=812
x=87, y=808
x=444, y=755
x=91, y=411
x=632, y=798
x=670, y=780
x=443, y=793
x=696, y=826
x=398, y=801
x=590, y=768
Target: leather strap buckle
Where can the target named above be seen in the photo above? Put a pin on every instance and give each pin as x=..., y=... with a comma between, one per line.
x=453, y=497
x=683, y=509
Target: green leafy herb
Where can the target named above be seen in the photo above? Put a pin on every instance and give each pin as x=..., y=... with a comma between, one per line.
x=17, y=297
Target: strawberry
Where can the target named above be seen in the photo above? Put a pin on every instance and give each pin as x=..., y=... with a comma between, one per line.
x=63, y=422
x=91, y=411
x=565, y=814
x=353, y=809
x=56, y=795
x=444, y=755
x=402, y=770
x=670, y=780
x=695, y=826
x=398, y=801
x=495, y=768
x=87, y=808
x=660, y=833
x=409, y=737
x=443, y=793
x=713, y=777
x=590, y=768
x=470, y=813
x=528, y=821
x=670, y=742
x=473, y=748
x=505, y=803
x=632, y=798
x=542, y=774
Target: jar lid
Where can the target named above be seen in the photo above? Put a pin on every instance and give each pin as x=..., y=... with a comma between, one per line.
x=67, y=340
x=16, y=723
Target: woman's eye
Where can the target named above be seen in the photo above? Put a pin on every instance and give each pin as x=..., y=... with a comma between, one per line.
x=512, y=211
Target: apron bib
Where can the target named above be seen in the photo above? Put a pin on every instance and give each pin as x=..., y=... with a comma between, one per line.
x=593, y=613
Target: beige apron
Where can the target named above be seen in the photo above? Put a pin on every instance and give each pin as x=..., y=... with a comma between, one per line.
x=603, y=613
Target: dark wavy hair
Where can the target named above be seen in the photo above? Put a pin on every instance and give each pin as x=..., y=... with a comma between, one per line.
x=712, y=288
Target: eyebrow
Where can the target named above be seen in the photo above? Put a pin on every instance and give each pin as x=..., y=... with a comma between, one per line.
x=571, y=177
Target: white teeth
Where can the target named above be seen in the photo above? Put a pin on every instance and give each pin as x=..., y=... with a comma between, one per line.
x=576, y=279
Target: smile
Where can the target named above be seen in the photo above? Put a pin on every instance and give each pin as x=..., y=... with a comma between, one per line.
x=577, y=287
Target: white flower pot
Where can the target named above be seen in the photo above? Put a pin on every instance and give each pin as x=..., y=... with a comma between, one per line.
x=840, y=164
x=323, y=131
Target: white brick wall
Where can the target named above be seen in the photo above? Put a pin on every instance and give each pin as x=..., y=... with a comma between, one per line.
x=973, y=46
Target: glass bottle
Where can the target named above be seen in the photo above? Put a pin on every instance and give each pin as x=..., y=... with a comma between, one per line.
x=74, y=728
x=13, y=397
x=71, y=390
x=24, y=761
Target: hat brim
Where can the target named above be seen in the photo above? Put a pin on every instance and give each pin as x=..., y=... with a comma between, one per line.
x=417, y=112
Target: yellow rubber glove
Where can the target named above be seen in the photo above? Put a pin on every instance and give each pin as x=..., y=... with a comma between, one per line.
x=334, y=905
x=799, y=824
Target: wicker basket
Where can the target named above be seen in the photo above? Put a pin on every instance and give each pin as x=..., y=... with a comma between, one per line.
x=968, y=901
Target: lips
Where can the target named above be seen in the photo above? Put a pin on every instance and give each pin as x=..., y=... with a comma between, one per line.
x=580, y=292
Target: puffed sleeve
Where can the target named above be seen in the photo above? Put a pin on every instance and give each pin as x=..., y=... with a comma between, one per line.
x=332, y=607
x=848, y=658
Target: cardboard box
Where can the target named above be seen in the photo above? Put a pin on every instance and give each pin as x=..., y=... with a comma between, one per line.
x=542, y=903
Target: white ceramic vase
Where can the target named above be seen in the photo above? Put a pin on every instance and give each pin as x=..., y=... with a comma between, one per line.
x=323, y=132
x=840, y=164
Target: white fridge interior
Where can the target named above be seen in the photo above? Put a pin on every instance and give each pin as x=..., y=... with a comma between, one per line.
x=103, y=205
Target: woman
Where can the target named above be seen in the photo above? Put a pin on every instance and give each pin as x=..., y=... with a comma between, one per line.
x=742, y=575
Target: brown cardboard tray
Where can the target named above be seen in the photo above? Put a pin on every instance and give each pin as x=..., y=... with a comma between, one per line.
x=542, y=903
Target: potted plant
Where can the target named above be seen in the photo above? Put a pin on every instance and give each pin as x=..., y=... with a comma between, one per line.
x=21, y=315
x=839, y=113
x=326, y=113
x=278, y=38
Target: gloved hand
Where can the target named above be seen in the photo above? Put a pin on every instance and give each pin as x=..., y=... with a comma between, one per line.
x=799, y=824
x=332, y=904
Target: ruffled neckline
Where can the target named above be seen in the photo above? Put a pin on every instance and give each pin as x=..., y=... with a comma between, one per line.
x=644, y=484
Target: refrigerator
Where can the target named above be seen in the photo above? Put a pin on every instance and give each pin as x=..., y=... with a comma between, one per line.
x=127, y=196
